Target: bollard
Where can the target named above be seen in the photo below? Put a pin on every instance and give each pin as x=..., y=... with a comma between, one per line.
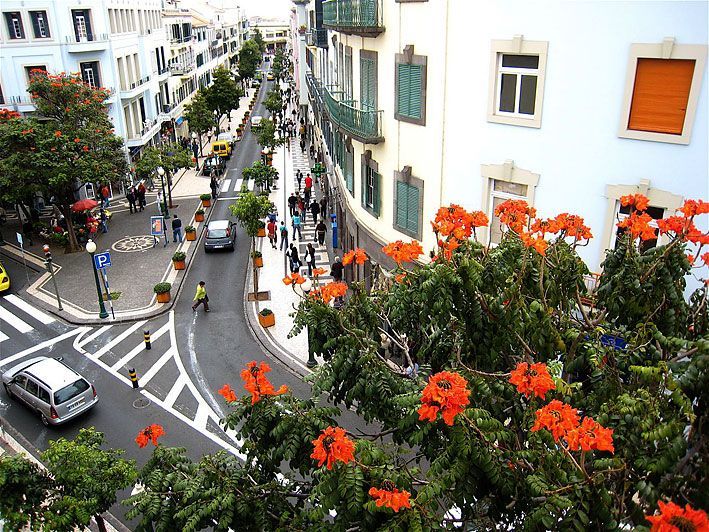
x=133, y=377
x=146, y=337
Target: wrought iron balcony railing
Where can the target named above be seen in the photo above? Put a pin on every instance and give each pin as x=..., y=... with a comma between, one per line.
x=364, y=125
x=358, y=17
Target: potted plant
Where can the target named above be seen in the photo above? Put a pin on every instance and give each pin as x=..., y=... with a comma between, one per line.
x=261, y=229
x=258, y=259
x=199, y=215
x=266, y=318
x=191, y=232
x=206, y=199
x=178, y=260
x=162, y=291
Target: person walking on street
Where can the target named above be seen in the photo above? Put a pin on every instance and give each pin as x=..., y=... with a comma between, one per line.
x=271, y=228
x=292, y=200
x=284, y=237
x=105, y=193
x=131, y=197
x=308, y=181
x=294, y=259
x=141, y=196
x=176, y=229
x=310, y=258
x=103, y=218
x=306, y=196
x=315, y=210
x=299, y=178
x=27, y=232
x=302, y=144
x=336, y=269
x=320, y=231
x=297, y=221
x=214, y=186
x=200, y=297
x=301, y=208
x=312, y=151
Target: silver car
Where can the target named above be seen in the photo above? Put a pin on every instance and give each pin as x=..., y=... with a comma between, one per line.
x=50, y=388
x=221, y=234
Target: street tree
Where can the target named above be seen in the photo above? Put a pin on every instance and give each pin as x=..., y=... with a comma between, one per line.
x=278, y=65
x=69, y=142
x=24, y=488
x=249, y=59
x=170, y=156
x=258, y=39
x=262, y=174
x=266, y=135
x=273, y=102
x=199, y=116
x=223, y=94
x=250, y=211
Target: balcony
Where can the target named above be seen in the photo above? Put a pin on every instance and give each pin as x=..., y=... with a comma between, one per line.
x=180, y=41
x=315, y=91
x=355, y=17
x=364, y=125
x=181, y=69
x=91, y=42
x=135, y=88
x=142, y=137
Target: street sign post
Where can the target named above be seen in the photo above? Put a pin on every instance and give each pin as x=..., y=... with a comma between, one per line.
x=157, y=229
x=102, y=260
x=22, y=249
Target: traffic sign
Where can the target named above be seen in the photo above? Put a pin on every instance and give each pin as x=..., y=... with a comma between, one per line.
x=157, y=225
x=19, y=239
x=102, y=260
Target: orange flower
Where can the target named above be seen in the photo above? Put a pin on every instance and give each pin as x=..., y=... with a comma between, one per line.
x=57, y=133
x=570, y=225
x=294, y=278
x=357, y=255
x=400, y=277
x=227, y=393
x=638, y=225
x=402, y=252
x=536, y=242
x=332, y=446
x=85, y=148
x=705, y=258
x=590, y=436
x=557, y=417
x=317, y=272
x=446, y=392
x=256, y=382
x=77, y=139
x=532, y=379
x=694, y=207
x=638, y=201
x=679, y=225
x=390, y=496
x=479, y=219
x=149, y=433
x=674, y=518
x=328, y=292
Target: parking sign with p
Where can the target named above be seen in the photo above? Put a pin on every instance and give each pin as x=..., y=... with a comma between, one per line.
x=102, y=260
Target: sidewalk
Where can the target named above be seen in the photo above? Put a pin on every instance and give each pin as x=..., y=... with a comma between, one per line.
x=137, y=264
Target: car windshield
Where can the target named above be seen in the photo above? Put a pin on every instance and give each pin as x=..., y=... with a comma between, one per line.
x=216, y=233
x=71, y=391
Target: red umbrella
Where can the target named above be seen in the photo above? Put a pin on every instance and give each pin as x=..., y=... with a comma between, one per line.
x=84, y=205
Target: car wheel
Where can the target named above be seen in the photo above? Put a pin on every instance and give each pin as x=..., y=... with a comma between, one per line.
x=8, y=392
x=44, y=419
x=232, y=248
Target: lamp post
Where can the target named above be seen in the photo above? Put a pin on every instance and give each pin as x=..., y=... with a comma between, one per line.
x=195, y=151
x=161, y=173
x=91, y=249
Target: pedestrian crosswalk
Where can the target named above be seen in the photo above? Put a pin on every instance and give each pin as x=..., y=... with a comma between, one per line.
x=19, y=320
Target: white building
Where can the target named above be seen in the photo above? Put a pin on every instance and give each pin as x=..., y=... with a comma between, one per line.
x=568, y=105
x=273, y=30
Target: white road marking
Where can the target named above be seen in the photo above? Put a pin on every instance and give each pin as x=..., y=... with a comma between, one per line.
x=252, y=184
x=43, y=345
x=167, y=355
x=118, y=339
x=196, y=371
x=29, y=309
x=175, y=391
x=15, y=322
x=2, y=337
x=200, y=419
x=238, y=183
x=94, y=335
x=140, y=347
x=225, y=185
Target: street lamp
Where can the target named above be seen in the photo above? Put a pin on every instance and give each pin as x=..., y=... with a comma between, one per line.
x=91, y=249
x=161, y=173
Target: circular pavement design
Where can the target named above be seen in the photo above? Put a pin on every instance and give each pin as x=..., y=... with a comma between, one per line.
x=134, y=243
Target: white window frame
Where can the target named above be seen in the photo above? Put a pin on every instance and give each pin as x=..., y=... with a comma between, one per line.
x=18, y=28
x=518, y=72
x=369, y=188
x=665, y=50
x=496, y=194
x=619, y=217
x=42, y=25
x=516, y=46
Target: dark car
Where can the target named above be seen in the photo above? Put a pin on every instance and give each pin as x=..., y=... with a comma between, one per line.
x=221, y=234
x=213, y=162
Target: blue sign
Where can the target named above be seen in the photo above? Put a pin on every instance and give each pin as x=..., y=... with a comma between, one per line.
x=102, y=260
x=179, y=120
x=616, y=342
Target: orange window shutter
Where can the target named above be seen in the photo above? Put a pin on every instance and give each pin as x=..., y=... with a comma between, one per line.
x=660, y=95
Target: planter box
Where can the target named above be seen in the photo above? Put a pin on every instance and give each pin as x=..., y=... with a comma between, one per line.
x=267, y=321
x=261, y=231
x=258, y=262
x=199, y=217
x=164, y=297
x=179, y=264
x=206, y=203
x=192, y=235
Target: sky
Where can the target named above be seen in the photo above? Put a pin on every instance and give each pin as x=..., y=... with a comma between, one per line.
x=267, y=8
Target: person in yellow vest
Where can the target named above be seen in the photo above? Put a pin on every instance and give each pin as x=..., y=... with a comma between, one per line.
x=201, y=297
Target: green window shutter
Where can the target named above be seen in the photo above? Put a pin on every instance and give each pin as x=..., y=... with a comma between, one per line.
x=377, y=189
x=412, y=209
x=367, y=93
x=415, y=90
x=363, y=186
x=349, y=170
x=403, y=89
x=401, y=204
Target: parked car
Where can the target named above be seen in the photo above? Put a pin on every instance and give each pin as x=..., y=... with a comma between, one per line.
x=4, y=279
x=50, y=388
x=222, y=148
x=213, y=162
x=256, y=121
x=221, y=234
x=269, y=76
x=228, y=137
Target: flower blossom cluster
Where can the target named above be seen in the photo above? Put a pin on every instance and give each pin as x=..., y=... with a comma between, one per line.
x=148, y=434
x=562, y=420
x=332, y=446
x=256, y=382
x=447, y=393
x=400, y=251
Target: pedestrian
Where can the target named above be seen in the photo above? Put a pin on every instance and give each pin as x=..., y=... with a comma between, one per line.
x=284, y=236
x=306, y=196
x=310, y=258
x=297, y=221
x=315, y=210
x=308, y=181
x=299, y=178
x=301, y=208
x=103, y=218
x=214, y=185
x=323, y=207
x=141, y=196
x=131, y=200
x=201, y=297
x=336, y=269
x=292, y=201
x=294, y=259
x=312, y=151
x=320, y=231
x=302, y=144
x=176, y=229
x=27, y=232
x=271, y=228
x=105, y=193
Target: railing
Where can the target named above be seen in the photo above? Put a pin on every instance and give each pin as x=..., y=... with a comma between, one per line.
x=180, y=40
x=354, y=16
x=315, y=91
x=362, y=124
x=310, y=38
x=137, y=84
x=181, y=68
x=88, y=38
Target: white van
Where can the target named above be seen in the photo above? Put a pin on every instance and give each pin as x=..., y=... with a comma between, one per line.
x=227, y=137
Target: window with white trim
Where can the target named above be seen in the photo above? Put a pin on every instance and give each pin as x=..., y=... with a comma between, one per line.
x=40, y=25
x=15, y=29
x=621, y=213
x=501, y=191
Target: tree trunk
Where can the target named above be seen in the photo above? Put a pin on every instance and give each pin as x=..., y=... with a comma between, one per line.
x=100, y=523
x=73, y=245
x=169, y=188
x=253, y=263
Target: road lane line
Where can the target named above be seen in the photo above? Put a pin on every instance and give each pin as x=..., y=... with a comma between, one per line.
x=225, y=185
x=118, y=339
x=13, y=321
x=140, y=347
x=175, y=391
x=237, y=184
x=2, y=337
x=43, y=345
x=94, y=335
x=29, y=309
x=167, y=355
x=200, y=418
x=252, y=184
